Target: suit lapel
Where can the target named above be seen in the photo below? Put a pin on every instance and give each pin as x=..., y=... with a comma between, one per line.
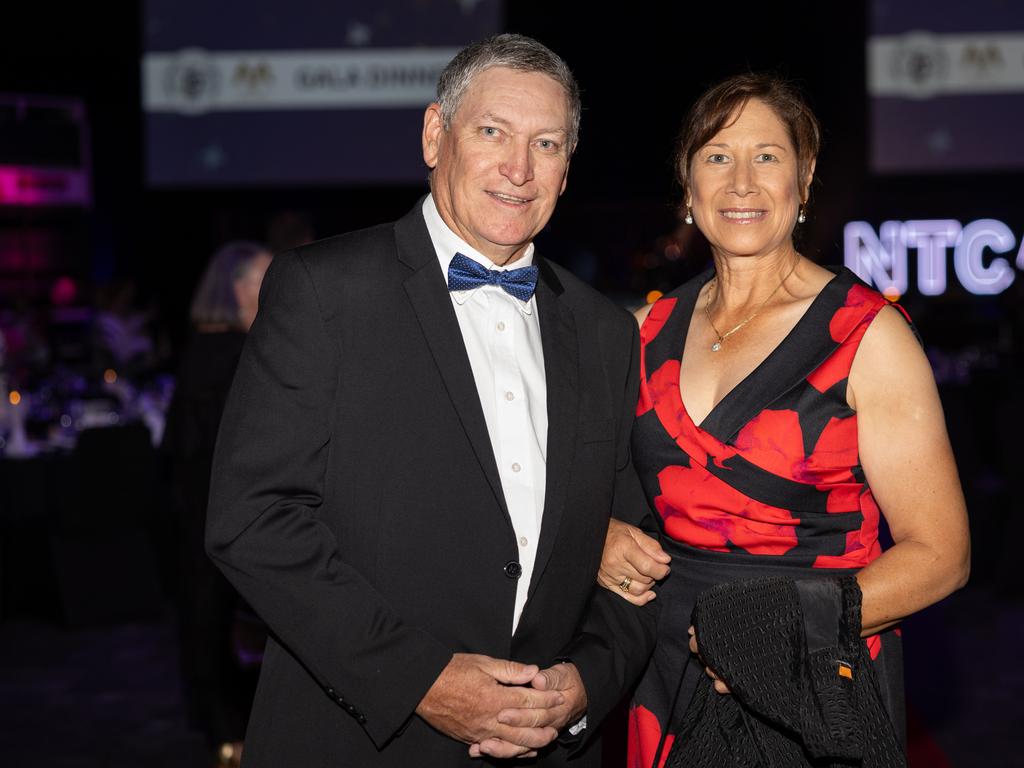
x=428, y=294
x=561, y=371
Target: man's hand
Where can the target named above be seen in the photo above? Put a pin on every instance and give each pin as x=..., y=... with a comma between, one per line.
x=466, y=699
x=563, y=679
x=631, y=563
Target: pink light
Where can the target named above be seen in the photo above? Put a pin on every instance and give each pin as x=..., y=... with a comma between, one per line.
x=22, y=185
x=64, y=291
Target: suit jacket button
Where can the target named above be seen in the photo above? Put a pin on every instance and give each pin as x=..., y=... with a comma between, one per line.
x=513, y=569
x=361, y=719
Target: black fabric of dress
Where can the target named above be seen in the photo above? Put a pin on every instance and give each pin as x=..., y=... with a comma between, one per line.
x=218, y=692
x=803, y=686
x=672, y=680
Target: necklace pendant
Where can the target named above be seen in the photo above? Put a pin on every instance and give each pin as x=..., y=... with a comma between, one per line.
x=716, y=346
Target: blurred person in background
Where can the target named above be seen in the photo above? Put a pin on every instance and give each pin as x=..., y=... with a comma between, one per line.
x=123, y=330
x=784, y=408
x=218, y=692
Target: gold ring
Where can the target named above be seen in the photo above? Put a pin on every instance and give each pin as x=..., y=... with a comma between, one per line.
x=625, y=584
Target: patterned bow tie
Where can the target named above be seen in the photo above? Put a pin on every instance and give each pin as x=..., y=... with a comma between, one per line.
x=464, y=274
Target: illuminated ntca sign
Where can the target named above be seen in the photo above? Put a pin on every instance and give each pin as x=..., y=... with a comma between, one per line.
x=880, y=257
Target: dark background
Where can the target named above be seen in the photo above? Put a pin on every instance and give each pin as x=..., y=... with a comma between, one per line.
x=639, y=70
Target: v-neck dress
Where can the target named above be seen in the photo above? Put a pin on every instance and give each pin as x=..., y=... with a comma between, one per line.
x=769, y=483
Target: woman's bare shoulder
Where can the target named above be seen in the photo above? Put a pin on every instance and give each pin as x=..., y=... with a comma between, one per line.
x=889, y=360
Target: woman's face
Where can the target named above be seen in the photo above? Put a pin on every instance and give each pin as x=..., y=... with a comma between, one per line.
x=744, y=187
x=247, y=289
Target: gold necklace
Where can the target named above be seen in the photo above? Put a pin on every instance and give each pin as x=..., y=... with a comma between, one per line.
x=723, y=336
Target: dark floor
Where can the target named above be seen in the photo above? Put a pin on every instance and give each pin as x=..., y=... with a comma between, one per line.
x=93, y=698
x=108, y=697
x=965, y=679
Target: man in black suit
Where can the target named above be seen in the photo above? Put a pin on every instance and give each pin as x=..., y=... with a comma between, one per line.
x=425, y=438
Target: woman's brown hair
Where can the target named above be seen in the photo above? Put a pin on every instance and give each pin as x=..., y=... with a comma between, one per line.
x=713, y=110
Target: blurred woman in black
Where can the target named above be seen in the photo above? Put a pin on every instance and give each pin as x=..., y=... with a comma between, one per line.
x=218, y=693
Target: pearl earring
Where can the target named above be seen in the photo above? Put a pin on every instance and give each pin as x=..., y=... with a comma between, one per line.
x=802, y=216
x=689, y=216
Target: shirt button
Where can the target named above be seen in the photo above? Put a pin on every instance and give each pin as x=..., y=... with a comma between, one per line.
x=513, y=569
x=501, y=325
x=510, y=396
x=516, y=467
x=523, y=541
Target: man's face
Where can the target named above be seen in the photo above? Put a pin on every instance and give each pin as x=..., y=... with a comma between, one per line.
x=501, y=166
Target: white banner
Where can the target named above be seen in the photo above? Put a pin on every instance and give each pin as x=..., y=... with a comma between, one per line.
x=194, y=81
x=921, y=65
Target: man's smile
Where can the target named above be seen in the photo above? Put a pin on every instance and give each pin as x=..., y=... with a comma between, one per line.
x=510, y=199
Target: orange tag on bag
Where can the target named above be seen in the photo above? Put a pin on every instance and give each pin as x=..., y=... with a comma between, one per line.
x=845, y=670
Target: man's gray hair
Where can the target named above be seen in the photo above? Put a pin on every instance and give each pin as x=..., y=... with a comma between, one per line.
x=515, y=52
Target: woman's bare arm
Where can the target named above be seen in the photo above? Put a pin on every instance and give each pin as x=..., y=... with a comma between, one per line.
x=908, y=462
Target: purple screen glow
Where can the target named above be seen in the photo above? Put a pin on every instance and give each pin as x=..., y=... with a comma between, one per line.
x=268, y=92
x=946, y=85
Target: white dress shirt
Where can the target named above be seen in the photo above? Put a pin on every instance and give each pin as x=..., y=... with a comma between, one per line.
x=502, y=337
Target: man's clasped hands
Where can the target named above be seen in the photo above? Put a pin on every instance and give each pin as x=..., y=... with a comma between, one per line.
x=503, y=708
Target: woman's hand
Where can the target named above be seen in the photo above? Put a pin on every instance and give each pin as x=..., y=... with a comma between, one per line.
x=720, y=685
x=631, y=563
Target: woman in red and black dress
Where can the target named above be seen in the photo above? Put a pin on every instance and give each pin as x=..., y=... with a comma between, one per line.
x=783, y=408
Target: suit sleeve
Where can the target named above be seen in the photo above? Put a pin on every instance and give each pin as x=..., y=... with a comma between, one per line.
x=616, y=638
x=264, y=530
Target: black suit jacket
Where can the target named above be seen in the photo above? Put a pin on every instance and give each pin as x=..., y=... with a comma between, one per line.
x=356, y=502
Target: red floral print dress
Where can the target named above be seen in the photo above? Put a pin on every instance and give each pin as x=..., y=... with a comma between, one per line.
x=769, y=482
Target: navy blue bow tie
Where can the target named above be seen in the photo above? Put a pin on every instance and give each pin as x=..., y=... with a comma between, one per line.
x=464, y=274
